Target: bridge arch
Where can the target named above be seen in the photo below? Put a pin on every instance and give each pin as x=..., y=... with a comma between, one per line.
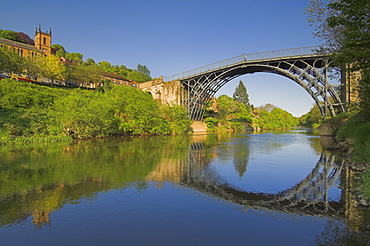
x=307, y=69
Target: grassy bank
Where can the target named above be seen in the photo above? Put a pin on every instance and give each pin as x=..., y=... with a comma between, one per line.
x=355, y=132
x=32, y=113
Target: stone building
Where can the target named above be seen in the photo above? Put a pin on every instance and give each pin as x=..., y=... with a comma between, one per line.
x=42, y=44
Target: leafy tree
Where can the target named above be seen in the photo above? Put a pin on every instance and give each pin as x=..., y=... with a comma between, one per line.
x=344, y=26
x=105, y=66
x=277, y=118
x=74, y=57
x=10, y=61
x=138, y=77
x=226, y=107
x=8, y=34
x=24, y=38
x=267, y=107
x=52, y=68
x=143, y=70
x=59, y=50
x=16, y=36
x=241, y=95
x=312, y=119
x=178, y=118
x=90, y=62
x=82, y=73
x=32, y=66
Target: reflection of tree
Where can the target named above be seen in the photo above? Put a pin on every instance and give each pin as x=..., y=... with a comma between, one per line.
x=336, y=233
x=310, y=196
x=241, y=156
x=48, y=201
x=35, y=182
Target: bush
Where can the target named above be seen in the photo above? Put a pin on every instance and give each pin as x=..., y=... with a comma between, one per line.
x=34, y=111
x=211, y=123
x=178, y=118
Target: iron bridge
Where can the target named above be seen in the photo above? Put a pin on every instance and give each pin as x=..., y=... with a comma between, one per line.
x=305, y=66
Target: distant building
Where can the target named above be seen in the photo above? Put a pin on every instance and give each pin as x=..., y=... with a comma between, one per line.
x=43, y=47
x=42, y=44
x=117, y=79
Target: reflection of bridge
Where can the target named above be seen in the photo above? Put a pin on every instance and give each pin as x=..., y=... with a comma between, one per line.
x=304, y=66
x=309, y=196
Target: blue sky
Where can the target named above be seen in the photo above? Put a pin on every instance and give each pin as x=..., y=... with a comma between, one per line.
x=170, y=37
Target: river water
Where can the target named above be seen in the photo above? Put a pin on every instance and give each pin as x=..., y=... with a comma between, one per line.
x=275, y=188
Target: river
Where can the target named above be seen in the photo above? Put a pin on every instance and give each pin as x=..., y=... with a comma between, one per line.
x=274, y=188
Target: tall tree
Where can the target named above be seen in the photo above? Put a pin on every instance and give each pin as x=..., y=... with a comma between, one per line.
x=344, y=26
x=241, y=95
x=143, y=69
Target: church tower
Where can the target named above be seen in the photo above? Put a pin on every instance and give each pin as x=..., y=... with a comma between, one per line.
x=43, y=41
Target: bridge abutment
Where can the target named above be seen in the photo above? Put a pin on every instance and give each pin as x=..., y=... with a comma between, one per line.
x=165, y=93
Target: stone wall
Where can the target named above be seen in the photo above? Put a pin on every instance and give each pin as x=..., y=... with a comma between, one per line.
x=164, y=92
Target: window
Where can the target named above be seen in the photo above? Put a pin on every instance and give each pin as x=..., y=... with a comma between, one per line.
x=44, y=41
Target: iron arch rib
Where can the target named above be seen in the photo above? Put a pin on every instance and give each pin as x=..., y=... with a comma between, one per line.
x=308, y=72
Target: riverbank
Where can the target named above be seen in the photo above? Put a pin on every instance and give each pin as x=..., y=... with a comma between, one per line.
x=36, y=113
x=352, y=138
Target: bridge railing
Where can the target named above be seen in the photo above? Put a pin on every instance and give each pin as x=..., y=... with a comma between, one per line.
x=258, y=56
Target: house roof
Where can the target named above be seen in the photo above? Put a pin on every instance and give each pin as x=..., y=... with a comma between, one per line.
x=19, y=45
x=115, y=76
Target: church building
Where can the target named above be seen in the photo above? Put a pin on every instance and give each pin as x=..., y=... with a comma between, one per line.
x=42, y=44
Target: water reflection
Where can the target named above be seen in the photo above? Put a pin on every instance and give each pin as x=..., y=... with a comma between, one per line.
x=309, y=196
x=39, y=181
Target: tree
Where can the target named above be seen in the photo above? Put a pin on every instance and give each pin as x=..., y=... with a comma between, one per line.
x=74, y=57
x=241, y=95
x=90, y=62
x=82, y=73
x=59, y=50
x=267, y=107
x=344, y=26
x=226, y=107
x=24, y=38
x=32, y=66
x=10, y=61
x=7, y=34
x=143, y=70
x=52, y=68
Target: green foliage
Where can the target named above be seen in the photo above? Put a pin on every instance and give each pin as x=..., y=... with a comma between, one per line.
x=276, y=119
x=312, y=119
x=29, y=111
x=211, y=123
x=74, y=57
x=344, y=27
x=8, y=34
x=83, y=74
x=143, y=70
x=49, y=66
x=59, y=50
x=142, y=74
x=10, y=61
x=16, y=36
x=178, y=118
x=241, y=95
x=139, y=113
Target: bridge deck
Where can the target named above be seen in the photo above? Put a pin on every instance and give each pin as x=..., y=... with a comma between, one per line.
x=311, y=51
